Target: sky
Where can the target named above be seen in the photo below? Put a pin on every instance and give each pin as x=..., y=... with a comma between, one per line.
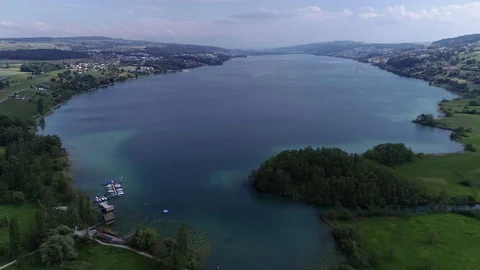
x=243, y=23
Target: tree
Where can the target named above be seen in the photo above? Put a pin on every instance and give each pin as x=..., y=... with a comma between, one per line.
x=72, y=216
x=145, y=239
x=39, y=230
x=182, y=239
x=390, y=154
x=86, y=213
x=40, y=106
x=324, y=176
x=15, y=242
x=470, y=147
x=18, y=198
x=22, y=261
x=59, y=246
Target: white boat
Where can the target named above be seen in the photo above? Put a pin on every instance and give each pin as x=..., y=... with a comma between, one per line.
x=120, y=193
x=116, y=185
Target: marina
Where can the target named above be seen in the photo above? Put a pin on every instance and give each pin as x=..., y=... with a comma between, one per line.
x=113, y=190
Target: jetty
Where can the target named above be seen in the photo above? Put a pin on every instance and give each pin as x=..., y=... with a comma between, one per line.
x=113, y=190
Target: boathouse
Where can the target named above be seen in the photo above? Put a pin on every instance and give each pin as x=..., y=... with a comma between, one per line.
x=107, y=215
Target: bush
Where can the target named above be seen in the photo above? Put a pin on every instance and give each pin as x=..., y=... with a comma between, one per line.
x=474, y=103
x=466, y=183
x=469, y=147
x=18, y=198
x=432, y=237
x=345, y=267
x=4, y=248
x=4, y=221
x=76, y=265
x=352, y=245
x=59, y=247
x=145, y=239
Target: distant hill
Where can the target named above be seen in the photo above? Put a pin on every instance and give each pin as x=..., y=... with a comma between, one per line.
x=457, y=41
x=99, y=43
x=41, y=54
x=339, y=46
x=168, y=49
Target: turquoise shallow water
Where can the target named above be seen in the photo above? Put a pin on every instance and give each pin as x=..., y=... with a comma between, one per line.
x=187, y=142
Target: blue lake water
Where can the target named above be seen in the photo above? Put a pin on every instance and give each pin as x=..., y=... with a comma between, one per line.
x=188, y=141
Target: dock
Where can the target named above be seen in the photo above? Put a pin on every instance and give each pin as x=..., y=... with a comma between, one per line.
x=113, y=190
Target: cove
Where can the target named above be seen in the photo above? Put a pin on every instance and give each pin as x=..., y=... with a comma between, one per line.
x=187, y=142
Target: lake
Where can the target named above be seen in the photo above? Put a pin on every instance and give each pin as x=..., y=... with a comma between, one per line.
x=187, y=142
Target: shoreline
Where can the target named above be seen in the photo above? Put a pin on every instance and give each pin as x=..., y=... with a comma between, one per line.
x=51, y=110
x=439, y=107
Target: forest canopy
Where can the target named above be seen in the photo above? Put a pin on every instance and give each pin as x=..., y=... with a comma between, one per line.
x=32, y=165
x=326, y=176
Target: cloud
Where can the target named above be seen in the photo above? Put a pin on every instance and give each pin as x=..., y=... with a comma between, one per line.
x=445, y=13
x=369, y=15
x=171, y=32
x=367, y=9
x=347, y=12
x=272, y=14
x=262, y=27
x=7, y=24
x=41, y=26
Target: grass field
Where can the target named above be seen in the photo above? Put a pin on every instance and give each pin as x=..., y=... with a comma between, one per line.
x=27, y=46
x=470, y=55
x=18, y=108
x=22, y=83
x=24, y=214
x=444, y=172
x=104, y=258
x=456, y=241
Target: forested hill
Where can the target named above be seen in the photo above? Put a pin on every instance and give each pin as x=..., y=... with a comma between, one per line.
x=41, y=54
x=339, y=46
x=457, y=41
x=169, y=49
x=98, y=43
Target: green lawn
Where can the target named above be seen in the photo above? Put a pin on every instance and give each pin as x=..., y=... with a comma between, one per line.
x=444, y=172
x=470, y=55
x=21, y=82
x=24, y=214
x=456, y=244
x=18, y=108
x=106, y=258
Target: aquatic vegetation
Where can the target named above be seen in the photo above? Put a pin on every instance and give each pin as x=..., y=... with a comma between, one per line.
x=130, y=219
x=197, y=239
x=326, y=261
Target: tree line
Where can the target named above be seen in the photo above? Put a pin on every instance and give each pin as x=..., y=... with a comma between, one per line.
x=42, y=54
x=37, y=68
x=170, y=253
x=326, y=176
